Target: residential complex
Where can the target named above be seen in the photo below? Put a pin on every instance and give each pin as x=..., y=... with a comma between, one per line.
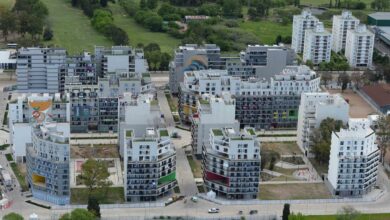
x=314, y=108
x=354, y=160
x=259, y=103
x=212, y=112
x=359, y=47
x=231, y=163
x=150, y=164
x=341, y=24
x=38, y=70
x=317, y=46
x=21, y=114
x=301, y=23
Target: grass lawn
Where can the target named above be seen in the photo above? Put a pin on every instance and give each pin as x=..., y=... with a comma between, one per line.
x=294, y=191
x=20, y=176
x=138, y=34
x=72, y=29
x=385, y=216
x=267, y=31
x=7, y=3
x=283, y=148
x=172, y=103
x=113, y=195
x=195, y=167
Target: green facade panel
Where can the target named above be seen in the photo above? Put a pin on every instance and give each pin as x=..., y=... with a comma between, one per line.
x=168, y=178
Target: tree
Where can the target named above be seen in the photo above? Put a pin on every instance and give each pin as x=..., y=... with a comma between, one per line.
x=13, y=216
x=344, y=80
x=310, y=64
x=78, y=214
x=326, y=77
x=286, y=211
x=356, y=78
x=101, y=19
x=347, y=213
x=47, y=34
x=7, y=22
x=278, y=39
x=297, y=216
x=231, y=8
x=154, y=23
x=103, y=3
x=142, y=4
x=93, y=206
x=380, y=5
x=151, y=4
x=383, y=133
x=94, y=174
x=165, y=60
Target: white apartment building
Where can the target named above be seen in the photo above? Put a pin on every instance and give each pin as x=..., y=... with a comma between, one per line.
x=354, y=159
x=38, y=70
x=137, y=112
x=341, y=24
x=359, y=47
x=231, y=163
x=213, y=112
x=149, y=164
x=317, y=46
x=314, y=108
x=20, y=116
x=301, y=23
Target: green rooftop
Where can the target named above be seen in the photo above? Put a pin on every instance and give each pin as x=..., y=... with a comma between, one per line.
x=164, y=133
x=217, y=132
x=251, y=131
x=204, y=101
x=129, y=133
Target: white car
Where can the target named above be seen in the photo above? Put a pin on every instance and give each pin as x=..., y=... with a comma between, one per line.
x=214, y=210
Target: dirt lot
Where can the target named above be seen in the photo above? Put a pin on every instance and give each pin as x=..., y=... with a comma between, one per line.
x=358, y=108
x=294, y=191
x=97, y=151
x=283, y=148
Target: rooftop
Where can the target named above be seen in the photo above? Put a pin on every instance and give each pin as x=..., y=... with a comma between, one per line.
x=380, y=15
x=380, y=93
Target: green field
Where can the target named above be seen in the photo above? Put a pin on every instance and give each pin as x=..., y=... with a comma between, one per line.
x=361, y=217
x=322, y=2
x=72, y=29
x=267, y=31
x=7, y=3
x=138, y=34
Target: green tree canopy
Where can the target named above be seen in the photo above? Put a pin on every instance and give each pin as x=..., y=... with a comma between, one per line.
x=13, y=216
x=78, y=214
x=94, y=174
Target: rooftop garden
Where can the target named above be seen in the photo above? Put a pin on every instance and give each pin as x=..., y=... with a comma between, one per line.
x=217, y=132
x=164, y=133
x=129, y=133
x=251, y=131
x=204, y=101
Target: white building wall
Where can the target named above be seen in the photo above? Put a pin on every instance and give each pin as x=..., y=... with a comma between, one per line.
x=301, y=23
x=317, y=46
x=359, y=47
x=342, y=23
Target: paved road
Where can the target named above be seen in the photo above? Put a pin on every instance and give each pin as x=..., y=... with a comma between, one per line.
x=184, y=176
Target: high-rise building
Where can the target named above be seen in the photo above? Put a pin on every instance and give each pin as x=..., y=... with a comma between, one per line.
x=341, y=24
x=301, y=23
x=231, y=163
x=212, y=112
x=359, y=47
x=21, y=114
x=193, y=57
x=262, y=104
x=38, y=70
x=314, y=108
x=317, y=46
x=354, y=159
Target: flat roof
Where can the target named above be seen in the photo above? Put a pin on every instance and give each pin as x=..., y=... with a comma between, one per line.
x=378, y=93
x=380, y=15
x=5, y=57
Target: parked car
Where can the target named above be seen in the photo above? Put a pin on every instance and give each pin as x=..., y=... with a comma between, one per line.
x=252, y=212
x=214, y=210
x=194, y=199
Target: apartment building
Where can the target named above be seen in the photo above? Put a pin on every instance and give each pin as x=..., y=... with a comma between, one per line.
x=317, y=46
x=231, y=163
x=38, y=70
x=301, y=23
x=260, y=61
x=21, y=114
x=120, y=58
x=150, y=164
x=354, y=160
x=260, y=103
x=137, y=113
x=313, y=109
x=193, y=57
x=359, y=47
x=212, y=112
x=80, y=69
x=48, y=164
x=341, y=24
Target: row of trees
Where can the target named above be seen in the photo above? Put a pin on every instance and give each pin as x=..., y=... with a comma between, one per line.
x=26, y=17
x=102, y=20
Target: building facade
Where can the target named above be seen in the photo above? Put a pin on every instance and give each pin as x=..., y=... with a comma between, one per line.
x=231, y=163
x=301, y=23
x=317, y=46
x=314, y=108
x=212, y=112
x=354, y=160
x=38, y=70
x=341, y=24
x=150, y=165
x=359, y=47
